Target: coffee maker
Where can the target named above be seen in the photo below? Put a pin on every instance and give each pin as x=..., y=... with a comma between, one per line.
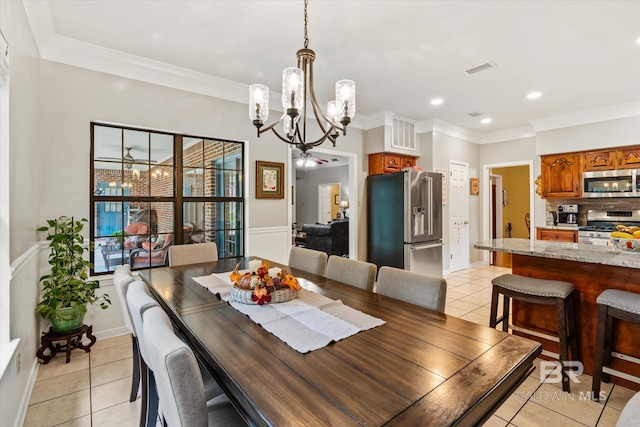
x=568, y=215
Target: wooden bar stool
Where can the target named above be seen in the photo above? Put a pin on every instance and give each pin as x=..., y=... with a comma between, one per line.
x=612, y=303
x=539, y=291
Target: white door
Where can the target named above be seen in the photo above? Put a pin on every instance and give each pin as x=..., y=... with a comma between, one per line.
x=459, y=215
x=324, y=203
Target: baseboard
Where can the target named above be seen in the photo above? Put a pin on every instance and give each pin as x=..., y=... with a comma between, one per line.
x=24, y=403
x=110, y=333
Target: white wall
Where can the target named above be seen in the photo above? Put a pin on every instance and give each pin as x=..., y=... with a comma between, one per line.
x=446, y=148
x=24, y=133
x=610, y=133
x=73, y=97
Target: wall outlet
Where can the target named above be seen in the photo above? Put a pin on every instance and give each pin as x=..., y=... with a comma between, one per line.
x=17, y=362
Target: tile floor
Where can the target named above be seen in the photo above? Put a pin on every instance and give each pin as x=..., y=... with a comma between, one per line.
x=95, y=386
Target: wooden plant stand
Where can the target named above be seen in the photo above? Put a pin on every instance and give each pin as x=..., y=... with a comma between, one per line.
x=73, y=339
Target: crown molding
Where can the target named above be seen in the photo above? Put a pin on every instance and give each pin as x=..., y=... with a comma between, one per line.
x=602, y=114
x=508, y=135
x=446, y=128
x=40, y=20
x=69, y=51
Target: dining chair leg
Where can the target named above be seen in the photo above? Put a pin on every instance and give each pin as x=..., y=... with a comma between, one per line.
x=144, y=371
x=149, y=407
x=135, y=382
x=152, y=401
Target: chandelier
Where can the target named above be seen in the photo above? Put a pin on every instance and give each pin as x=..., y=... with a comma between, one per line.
x=297, y=89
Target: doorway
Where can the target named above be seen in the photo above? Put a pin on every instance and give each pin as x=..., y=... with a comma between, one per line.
x=349, y=191
x=328, y=202
x=512, y=199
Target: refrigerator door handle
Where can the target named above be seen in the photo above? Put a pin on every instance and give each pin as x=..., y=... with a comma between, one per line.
x=422, y=247
x=429, y=200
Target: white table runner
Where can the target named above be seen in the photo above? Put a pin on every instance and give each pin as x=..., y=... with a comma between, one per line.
x=306, y=323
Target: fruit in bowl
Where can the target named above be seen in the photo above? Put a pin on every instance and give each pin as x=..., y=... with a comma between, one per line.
x=626, y=244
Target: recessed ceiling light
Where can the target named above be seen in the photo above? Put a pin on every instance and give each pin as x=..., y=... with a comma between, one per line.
x=436, y=101
x=534, y=95
x=485, y=121
x=638, y=40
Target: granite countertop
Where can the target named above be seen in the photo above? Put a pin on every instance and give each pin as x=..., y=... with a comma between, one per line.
x=561, y=250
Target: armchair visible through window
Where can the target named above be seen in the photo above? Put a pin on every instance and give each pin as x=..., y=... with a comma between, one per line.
x=151, y=254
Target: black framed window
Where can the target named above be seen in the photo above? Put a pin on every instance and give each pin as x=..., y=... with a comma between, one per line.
x=151, y=190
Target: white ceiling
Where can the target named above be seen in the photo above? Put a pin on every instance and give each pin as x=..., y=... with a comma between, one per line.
x=582, y=55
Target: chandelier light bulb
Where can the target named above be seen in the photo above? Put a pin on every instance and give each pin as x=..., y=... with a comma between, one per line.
x=258, y=103
x=292, y=88
x=346, y=97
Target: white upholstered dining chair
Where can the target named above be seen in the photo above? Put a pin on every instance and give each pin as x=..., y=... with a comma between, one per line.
x=178, y=381
x=139, y=300
x=415, y=288
x=352, y=272
x=314, y=262
x=193, y=253
x=122, y=277
x=630, y=416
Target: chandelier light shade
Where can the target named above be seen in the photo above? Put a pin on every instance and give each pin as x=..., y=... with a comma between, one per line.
x=258, y=103
x=297, y=94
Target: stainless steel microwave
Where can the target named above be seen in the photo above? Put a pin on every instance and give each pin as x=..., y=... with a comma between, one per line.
x=613, y=183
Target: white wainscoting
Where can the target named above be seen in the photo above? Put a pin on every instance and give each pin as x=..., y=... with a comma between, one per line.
x=273, y=243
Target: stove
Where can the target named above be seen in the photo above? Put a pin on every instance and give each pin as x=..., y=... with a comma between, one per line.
x=600, y=225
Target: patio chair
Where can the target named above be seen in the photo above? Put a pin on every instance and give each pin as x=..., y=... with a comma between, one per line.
x=151, y=254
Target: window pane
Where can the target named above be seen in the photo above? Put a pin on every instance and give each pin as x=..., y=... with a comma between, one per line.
x=164, y=214
x=232, y=156
x=213, y=154
x=232, y=184
x=193, y=215
x=107, y=143
x=137, y=180
x=136, y=146
x=162, y=181
x=192, y=154
x=211, y=187
x=192, y=181
x=232, y=245
x=162, y=149
x=106, y=175
x=153, y=254
x=235, y=215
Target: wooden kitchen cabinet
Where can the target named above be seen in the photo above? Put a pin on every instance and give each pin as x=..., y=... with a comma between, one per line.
x=557, y=235
x=561, y=175
x=628, y=158
x=599, y=161
x=389, y=163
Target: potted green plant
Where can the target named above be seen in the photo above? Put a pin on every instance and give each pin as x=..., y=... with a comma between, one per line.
x=67, y=290
x=117, y=237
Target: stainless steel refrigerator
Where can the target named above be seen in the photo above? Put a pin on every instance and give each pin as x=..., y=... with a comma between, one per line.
x=404, y=212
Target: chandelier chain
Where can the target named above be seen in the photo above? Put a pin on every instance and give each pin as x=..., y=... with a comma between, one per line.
x=306, y=20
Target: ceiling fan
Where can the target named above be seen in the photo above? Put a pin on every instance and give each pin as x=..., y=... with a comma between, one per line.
x=307, y=161
x=127, y=159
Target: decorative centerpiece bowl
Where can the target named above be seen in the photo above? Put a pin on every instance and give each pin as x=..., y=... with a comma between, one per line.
x=628, y=245
x=266, y=285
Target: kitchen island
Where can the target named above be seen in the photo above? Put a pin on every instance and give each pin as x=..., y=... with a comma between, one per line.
x=592, y=269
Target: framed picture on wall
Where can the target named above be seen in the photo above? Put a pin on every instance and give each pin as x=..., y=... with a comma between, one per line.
x=336, y=200
x=475, y=186
x=269, y=180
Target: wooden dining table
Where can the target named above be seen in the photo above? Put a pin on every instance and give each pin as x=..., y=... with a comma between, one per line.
x=420, y=368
